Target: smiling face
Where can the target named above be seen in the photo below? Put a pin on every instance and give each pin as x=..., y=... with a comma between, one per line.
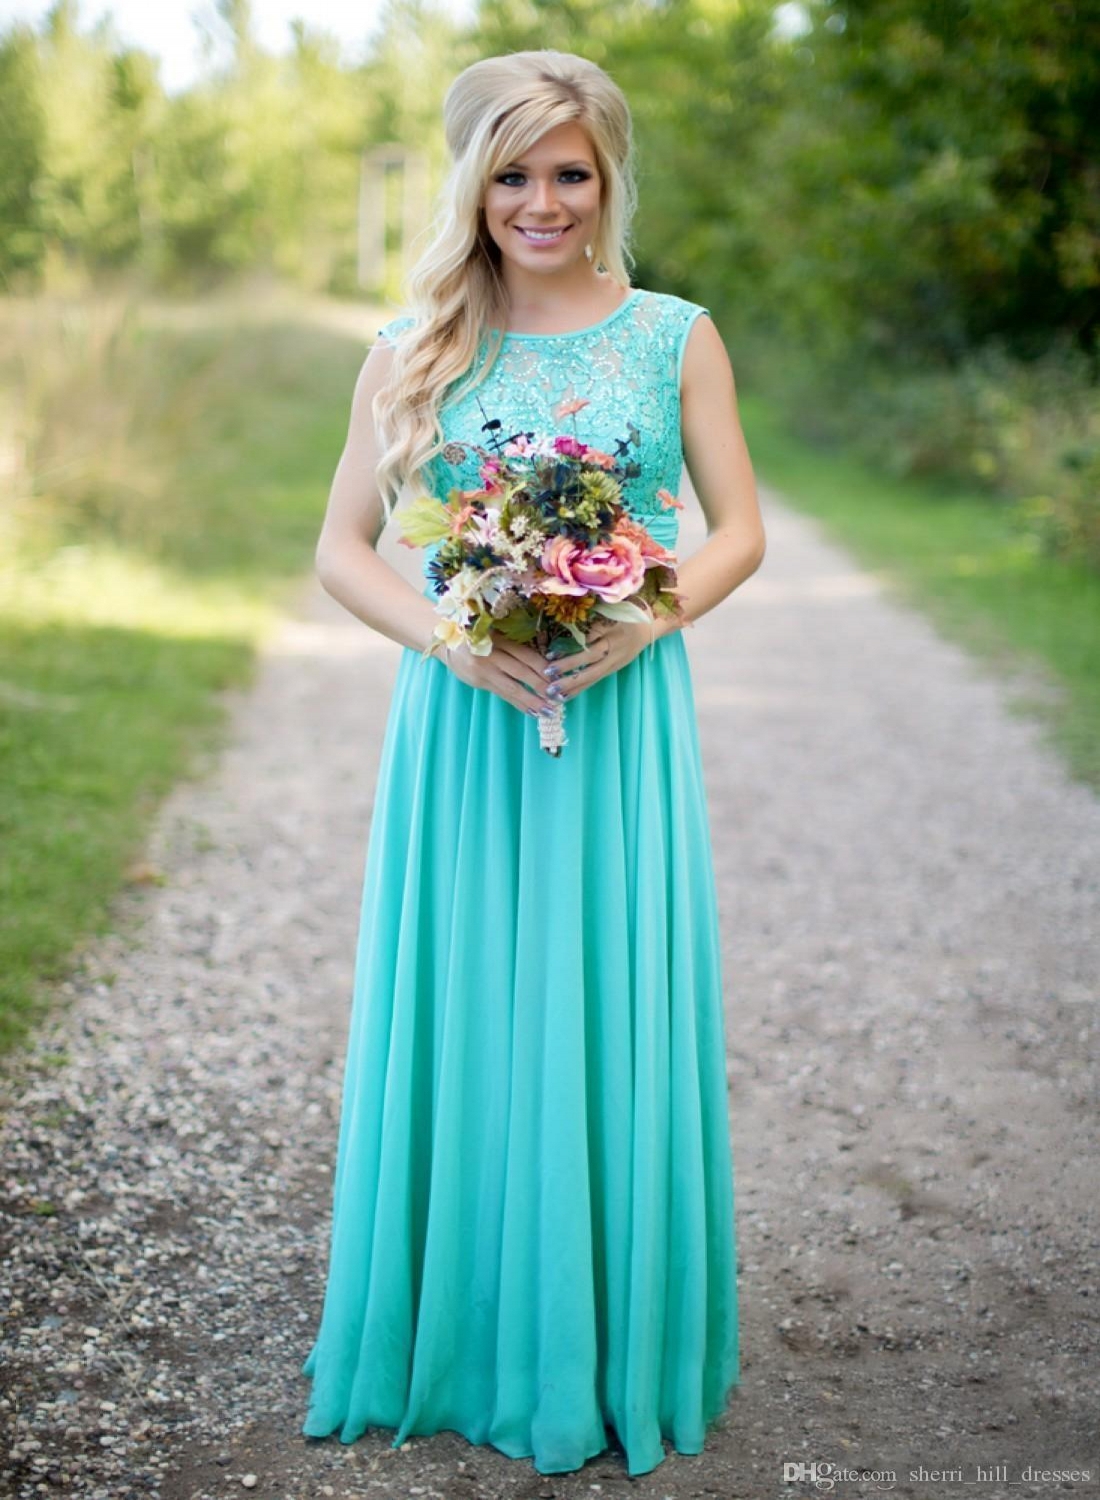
x=554, y=187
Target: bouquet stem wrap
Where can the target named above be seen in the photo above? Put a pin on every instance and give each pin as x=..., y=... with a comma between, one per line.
x=552, y=730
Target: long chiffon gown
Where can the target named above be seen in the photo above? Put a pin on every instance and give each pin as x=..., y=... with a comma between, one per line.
x=533, y=1203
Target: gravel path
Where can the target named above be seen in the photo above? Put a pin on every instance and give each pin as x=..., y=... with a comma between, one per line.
x=911, y=907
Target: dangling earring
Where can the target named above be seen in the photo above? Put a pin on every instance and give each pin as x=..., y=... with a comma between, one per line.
x=588, y=251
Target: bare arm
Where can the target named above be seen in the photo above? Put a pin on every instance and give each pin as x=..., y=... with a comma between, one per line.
x=346, y=561
x=721, y=475
x=350, y=569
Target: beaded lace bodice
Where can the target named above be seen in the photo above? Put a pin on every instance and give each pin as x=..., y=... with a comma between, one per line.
x=627, y=367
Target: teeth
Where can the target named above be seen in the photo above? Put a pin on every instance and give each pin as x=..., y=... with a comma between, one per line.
x=535, y=234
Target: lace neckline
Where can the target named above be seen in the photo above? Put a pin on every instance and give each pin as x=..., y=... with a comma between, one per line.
x=573, y=333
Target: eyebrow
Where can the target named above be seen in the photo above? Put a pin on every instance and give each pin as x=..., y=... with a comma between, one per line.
x=561, y=165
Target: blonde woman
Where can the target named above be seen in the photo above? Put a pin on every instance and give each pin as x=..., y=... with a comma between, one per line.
x=533, y=1217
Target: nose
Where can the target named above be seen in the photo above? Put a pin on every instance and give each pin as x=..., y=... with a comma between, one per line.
x=544, y=197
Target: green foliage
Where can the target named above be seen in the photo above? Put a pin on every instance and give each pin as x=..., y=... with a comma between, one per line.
x=519, y=624
x=1066, y=520
x=23, y=131
x=255, y=168
x=894, y=213
x=175, y=469
x=481, y=628
x=424, y=521
x=906, y=178
x=975, y=172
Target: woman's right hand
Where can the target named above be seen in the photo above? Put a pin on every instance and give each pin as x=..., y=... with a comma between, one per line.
x=511, y=670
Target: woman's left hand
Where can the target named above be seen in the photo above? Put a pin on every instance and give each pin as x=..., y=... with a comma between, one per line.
x=611, y=644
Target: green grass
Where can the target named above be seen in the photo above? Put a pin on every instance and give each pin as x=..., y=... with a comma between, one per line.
x=180, y=479
x=97, y=723
x=962, y=559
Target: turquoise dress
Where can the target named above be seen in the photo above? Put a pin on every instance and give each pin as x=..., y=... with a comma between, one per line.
x=533, y=1207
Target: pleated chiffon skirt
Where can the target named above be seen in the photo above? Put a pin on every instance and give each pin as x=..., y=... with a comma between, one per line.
x=533, y=1201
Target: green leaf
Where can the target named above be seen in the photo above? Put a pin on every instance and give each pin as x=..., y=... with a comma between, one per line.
x=424, y=521
x=621, y=611
x=518, y=625
x=563, y=647
x=481, y=628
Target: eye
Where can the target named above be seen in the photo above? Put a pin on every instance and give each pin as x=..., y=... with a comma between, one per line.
x=577, y=172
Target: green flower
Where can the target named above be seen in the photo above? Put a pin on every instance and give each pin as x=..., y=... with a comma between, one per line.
x=599, y=488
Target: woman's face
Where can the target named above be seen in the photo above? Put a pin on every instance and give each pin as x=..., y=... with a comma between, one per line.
x=554, y=186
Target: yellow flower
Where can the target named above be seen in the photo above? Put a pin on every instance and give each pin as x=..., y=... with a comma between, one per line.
x=451, y=633
x=566, y=608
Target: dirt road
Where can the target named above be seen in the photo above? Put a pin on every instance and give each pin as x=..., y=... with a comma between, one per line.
x=910, y=893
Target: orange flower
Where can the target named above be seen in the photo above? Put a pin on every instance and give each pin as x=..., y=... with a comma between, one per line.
x=647, y=543
x=669, y=501
x=458, y=518
x=597, y=456
x=567, y=408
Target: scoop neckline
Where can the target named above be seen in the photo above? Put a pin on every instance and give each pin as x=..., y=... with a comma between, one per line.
x=572, y=333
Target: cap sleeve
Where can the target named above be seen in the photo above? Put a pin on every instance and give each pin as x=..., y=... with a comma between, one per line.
x=396, y=326
x=688, y=313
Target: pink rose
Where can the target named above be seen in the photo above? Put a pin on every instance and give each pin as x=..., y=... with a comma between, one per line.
x=613, y=570
x=569, y=446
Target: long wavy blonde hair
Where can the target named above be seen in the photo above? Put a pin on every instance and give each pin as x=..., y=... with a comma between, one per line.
x=493, y=111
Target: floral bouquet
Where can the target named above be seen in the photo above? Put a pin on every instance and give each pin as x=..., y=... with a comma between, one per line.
x=541, y=550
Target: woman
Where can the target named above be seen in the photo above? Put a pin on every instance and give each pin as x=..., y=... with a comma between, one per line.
x=533, y=1236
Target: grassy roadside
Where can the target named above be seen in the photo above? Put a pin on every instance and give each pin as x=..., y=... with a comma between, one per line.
x=961, y=559
x=177, y=473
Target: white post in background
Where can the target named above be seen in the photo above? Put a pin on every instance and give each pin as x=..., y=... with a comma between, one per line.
x=408, y=218
x=371, y=259
x=414, y=205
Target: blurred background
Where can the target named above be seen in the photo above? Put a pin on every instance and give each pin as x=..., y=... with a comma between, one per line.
x=891, y=207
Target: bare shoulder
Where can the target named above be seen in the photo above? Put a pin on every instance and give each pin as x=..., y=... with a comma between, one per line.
x=355, y=512
x=373, y=374
x=706, y=359
x=715, y=450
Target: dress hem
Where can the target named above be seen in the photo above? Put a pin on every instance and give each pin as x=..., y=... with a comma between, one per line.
x=487, y=1442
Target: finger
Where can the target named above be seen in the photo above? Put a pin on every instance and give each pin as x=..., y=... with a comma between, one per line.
x=524, y=665
x=520, y=698
x=584, y=660
x=523, y=685
x=520, y=653
x=602, y=626
x=585, y=677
